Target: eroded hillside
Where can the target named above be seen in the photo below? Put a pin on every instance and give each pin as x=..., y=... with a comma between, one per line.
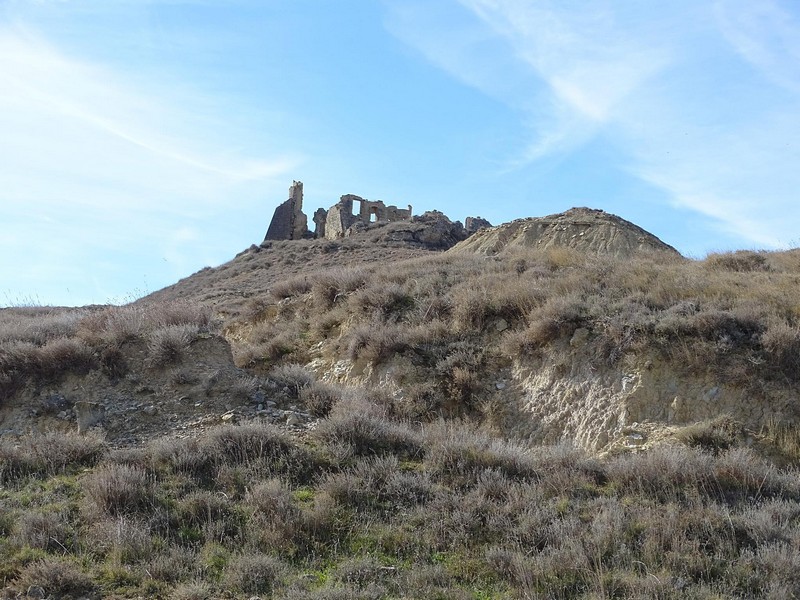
x=378, y=419
x=547, y=342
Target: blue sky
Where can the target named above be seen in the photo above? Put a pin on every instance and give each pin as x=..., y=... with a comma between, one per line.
x=141, y=140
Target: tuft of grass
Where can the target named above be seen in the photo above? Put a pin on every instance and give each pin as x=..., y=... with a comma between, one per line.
x=119, y=489
x=56, y=578
x=253, y=574
x=167, y=344
x=48, y=454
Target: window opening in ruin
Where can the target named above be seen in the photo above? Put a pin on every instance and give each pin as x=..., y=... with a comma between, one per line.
x=373, y=214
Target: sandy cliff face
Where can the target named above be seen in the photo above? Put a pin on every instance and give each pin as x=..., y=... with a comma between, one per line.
x=588, y=230
x=600, y=409
x=567, y=395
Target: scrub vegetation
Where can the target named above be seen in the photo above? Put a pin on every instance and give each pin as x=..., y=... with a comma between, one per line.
x=424, y=494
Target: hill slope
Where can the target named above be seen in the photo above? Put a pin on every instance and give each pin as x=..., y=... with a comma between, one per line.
x=585, y=229
x=376, y=419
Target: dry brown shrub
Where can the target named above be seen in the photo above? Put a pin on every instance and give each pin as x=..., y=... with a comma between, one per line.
x=113, y=325
x=742, y=261
x=385, y=302
x=253, y=574
x=65, y=355
x=262, y=451
x=196, y=590
x=271, y=498
x=366, y=431
x=320, y=397
x=290, y=288
x=376, y=343
x=558, y=318
x=782, y=343
x=167, y=344
x=43, y=530
x=48, y=454
x=561, y=257
x=127, y=540
x=21, y=360
x=118, y=489
x=292, y=377
x=38, y=325
x=458, y=453
x=269, y=344
x=58, y=578
x=165, y=314
x=668, y=472
x=328, y=287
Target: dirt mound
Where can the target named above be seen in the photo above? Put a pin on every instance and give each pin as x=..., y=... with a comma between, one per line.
x=584, y=229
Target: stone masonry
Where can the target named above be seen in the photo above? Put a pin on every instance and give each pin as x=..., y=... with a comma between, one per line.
x=289, y=222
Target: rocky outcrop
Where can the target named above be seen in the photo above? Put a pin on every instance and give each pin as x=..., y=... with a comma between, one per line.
x=585, y=229
x=430, y=231
x=474, y=224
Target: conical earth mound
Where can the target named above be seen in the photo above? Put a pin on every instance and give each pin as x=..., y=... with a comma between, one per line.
x=584, y=229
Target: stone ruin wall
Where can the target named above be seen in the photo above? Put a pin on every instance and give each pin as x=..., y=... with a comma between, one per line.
x=340, y=216
x=290, y=223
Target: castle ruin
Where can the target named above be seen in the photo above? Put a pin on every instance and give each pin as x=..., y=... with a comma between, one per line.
x=339, y=217
x=290, y=223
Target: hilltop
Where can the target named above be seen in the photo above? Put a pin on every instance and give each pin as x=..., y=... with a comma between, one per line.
x=587, y=230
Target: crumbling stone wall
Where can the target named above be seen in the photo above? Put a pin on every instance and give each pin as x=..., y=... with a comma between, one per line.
x=320, y=221
x=289, y=222
x=340, y=216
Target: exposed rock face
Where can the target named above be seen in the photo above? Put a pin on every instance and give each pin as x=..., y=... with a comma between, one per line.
x=473, y=224
x=602, y=408
x=431, y=231
x=585, y=229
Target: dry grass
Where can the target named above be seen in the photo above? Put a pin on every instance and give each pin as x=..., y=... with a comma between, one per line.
x=43, y=345
x=370, y=504
x=447, y=511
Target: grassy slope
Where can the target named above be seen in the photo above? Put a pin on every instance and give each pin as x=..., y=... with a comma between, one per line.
x=371, y=506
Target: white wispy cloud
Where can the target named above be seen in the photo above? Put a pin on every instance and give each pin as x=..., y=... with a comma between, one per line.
x=95, y=165
x=667, y=82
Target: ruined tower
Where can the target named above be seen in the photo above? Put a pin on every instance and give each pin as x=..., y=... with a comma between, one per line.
x=289, y=222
